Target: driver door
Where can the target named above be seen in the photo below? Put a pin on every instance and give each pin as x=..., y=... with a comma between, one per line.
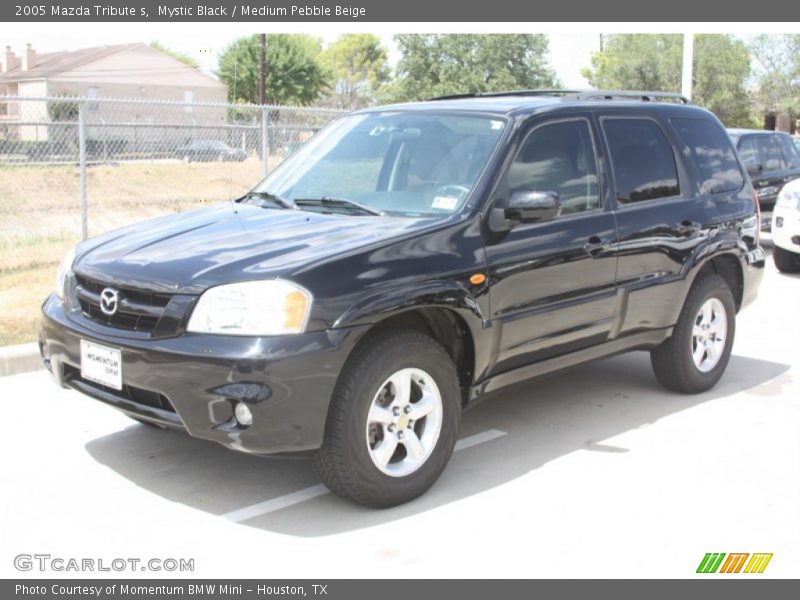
x=553, y=283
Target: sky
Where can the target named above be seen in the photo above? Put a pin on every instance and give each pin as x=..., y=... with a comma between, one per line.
x=569, y=52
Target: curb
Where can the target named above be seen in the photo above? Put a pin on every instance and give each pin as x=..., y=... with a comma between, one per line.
x=20, y=359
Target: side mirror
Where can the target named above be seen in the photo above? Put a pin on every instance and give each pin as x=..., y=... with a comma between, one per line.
x=525, y=207
x=533, y=206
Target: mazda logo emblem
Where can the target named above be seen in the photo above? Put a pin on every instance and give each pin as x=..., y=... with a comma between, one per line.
x=109, y=301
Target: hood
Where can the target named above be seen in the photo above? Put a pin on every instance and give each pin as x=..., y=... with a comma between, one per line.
x=191, y=251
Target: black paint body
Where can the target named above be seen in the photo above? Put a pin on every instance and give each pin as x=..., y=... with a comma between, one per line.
x=556, y=293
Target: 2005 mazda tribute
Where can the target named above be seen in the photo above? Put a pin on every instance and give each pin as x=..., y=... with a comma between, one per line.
x=406, y=262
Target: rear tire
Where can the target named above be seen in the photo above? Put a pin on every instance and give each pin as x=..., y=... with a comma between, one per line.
x=393, y=420
x=694, y=358
x=785, y=260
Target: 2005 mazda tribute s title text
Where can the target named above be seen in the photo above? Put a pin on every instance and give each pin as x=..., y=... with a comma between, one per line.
x=407, y=261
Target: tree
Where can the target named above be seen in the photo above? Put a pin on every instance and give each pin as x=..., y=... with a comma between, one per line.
x=441, y=64
x=777, y=67
x=294, y=72
x=359, y=67
x=184, y=58
x=653, y=62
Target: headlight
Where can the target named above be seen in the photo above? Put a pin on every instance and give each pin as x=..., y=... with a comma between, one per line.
x=64, y=269
x=271, y=307
x=790, y=200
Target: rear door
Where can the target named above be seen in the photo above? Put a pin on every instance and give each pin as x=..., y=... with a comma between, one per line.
x=553, y=286
x=661, y=215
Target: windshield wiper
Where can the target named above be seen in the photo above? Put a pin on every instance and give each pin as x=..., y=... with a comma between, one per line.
x=339, y=203
x=271, y=197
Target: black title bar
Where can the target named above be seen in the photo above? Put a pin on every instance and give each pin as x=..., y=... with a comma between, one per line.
x=461, y=11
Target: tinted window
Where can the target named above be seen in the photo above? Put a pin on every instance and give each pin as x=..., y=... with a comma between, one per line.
x=712, y=154
x=771, y=156
x=408, y=163
x=748, y=151
x=641, y=155
x=790, y=154
x=558, y=158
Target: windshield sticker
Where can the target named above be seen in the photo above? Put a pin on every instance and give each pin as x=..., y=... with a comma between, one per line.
x=496, y=125
x=444, y=202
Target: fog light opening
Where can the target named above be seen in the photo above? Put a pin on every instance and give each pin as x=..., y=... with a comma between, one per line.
x=243, y=415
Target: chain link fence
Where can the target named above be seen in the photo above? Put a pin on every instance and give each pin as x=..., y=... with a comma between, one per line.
x=76, y=167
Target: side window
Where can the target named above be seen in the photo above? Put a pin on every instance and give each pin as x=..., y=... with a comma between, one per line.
x=642, y=159
x=771, y=156
x=558, y=158
x=712, y=154
x=748, y=151
x=790, y=153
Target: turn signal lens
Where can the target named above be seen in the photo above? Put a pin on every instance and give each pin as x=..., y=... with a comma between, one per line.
x=296, y=311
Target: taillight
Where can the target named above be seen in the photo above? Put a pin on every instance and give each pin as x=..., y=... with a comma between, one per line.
x=758, y=217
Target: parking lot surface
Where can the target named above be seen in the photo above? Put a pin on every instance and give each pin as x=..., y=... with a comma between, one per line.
x=591, y=472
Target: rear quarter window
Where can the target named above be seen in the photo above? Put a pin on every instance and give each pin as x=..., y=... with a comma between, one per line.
x=712, y=154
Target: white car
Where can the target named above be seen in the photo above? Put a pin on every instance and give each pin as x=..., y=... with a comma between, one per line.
x=786, y=228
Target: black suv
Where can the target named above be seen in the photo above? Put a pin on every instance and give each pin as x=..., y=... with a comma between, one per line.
x=772, y=160
x=410, y=260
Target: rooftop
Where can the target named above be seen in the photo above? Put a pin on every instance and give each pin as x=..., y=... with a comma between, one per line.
x=53, y=63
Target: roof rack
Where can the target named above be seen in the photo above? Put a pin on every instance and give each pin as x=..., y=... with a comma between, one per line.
x=631, y=95
x=553, y=92
x=576, y=95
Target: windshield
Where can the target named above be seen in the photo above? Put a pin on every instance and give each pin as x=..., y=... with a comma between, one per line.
x=395, y=163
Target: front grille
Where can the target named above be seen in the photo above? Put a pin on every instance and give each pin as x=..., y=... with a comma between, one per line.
x=138, y=310
x=136, y=295
x=140, y=396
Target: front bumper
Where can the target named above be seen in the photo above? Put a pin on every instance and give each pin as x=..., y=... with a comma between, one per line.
x=193, y=381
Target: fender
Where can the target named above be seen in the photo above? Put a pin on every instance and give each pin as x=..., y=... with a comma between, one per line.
x=449, y=296
x=727, y=245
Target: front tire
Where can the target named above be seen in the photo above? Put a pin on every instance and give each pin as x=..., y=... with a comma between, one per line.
x=393, y=420
x=785, y=260
x=694, y=358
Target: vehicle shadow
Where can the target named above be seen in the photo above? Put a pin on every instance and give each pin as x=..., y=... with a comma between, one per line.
x=544, y=419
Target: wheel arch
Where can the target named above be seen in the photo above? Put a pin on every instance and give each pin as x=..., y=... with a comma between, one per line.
x=728, y=266
x=446, y=326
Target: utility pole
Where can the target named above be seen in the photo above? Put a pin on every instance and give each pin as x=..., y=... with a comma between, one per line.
x=688, y=60
x=262, y=75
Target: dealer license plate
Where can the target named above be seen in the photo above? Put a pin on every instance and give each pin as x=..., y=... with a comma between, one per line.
x=101, y=364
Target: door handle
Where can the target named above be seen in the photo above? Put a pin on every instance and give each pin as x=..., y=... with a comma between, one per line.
x=595, y=245
x=687, y=227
